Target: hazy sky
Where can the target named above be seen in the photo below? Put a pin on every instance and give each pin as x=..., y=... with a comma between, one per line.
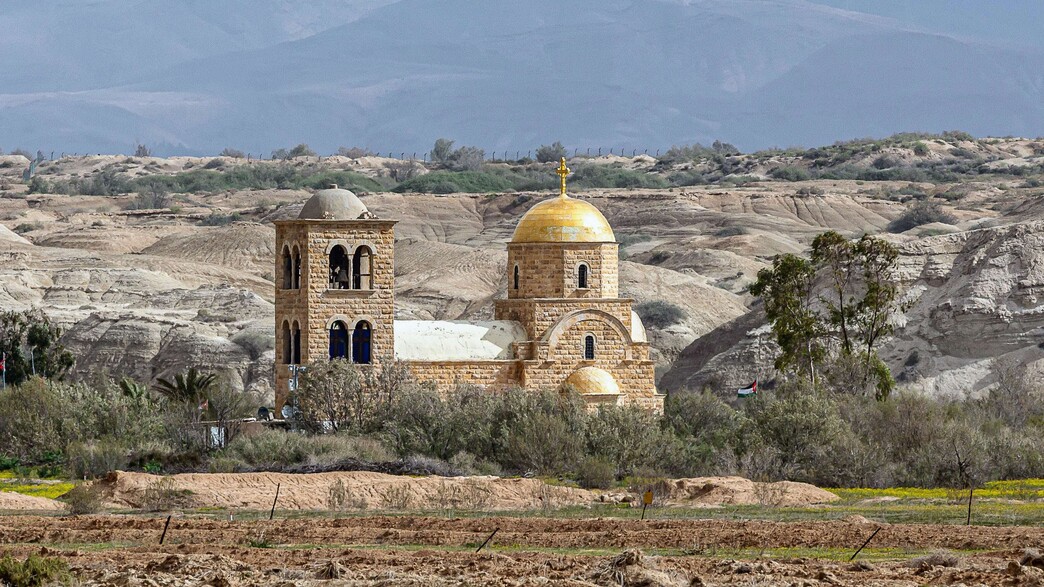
x=1019, y=22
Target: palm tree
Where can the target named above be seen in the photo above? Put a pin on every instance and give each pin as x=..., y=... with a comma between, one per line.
x=133, y=390
x=191, y=386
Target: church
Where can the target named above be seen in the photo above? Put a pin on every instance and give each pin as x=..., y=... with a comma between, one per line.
x=563, y=322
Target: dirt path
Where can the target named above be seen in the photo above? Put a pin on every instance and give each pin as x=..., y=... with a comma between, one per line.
x=385, y=550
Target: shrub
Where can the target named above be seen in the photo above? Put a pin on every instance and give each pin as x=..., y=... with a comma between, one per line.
x=28, y=227
x=162, y=496
x=216, y=219
x=791, y=173
x=154, y=198
x=232, y=153
x=142, y=151
x=552, y=152
x=83, y=500
x=660, y=313
x=920, y=149
x=447, y=182
x=34, y=571
x=301, y=150
x=596, y=472
x=254, y=342
x=728, y=231
x=95, y=458
x=214, y=164
x=610, y=176
x=354, y=152
x=923, y=212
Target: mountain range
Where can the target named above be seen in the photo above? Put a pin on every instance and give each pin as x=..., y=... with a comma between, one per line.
x=197, y=76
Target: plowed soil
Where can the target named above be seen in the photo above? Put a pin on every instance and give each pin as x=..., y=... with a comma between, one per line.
x=384, y=550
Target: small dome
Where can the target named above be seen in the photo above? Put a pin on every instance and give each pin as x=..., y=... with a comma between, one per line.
x=333, y=204
x=593, y=381
x=563, y=220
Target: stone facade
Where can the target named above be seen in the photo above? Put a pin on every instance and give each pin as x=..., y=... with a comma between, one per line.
x=316, y=304
x=572, y=317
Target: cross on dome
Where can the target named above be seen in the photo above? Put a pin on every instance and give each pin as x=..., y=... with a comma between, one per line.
x=563, y=172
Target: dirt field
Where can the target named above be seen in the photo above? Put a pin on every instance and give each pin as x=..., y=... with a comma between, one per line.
x=386, y=550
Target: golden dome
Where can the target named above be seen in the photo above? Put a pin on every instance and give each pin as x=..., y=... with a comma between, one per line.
x=593, y=381
x=563, y=220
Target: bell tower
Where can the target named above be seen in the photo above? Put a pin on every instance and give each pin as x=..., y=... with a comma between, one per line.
x=335, y=287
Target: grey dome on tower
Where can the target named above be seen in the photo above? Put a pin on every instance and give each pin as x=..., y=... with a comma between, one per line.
x=333, y=204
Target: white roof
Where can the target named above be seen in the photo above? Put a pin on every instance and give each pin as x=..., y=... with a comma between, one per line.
x=445, y=340
x=637, y=328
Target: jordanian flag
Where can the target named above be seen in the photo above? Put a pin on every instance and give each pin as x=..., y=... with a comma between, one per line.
x=748, y=391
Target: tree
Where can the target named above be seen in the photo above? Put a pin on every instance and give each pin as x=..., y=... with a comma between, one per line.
x=331, y=396
x=31, y=344
x=442, y=151
x=142, y=151
x=833, y=307
x=191, y=387
x=467, y=159
x=233, y=153
x=789, y=294
x=301, y=150
x=548, y=153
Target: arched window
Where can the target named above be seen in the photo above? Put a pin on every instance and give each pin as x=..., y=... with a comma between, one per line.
x=361, y=268
x=288, y=343
x=297, y=269
x=338, y=340
x=296, y=350
x=581, y=276
x=288, y=269
x=515, y=279
x=589, y=347
x=340, y=268
x=361, y=343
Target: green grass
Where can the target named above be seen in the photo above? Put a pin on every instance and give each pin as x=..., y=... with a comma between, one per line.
x=36, y=489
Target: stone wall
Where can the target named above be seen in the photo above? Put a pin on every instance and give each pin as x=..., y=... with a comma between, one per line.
x=445, y=375
x=538, y=316
x=549, y=270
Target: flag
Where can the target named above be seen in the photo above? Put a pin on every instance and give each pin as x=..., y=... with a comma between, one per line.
x=3, y=363
x=203, y=405
x=748, y=391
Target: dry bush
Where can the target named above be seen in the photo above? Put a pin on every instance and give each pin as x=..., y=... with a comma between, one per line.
x=340, y=498
x=83, y=500
x=162, y=496
x=478, y=496
x=939, y=558
x=770, y=494
x=397, y=497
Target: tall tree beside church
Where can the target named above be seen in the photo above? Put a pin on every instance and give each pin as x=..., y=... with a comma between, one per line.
x=789, y=295
x=831, y=312
x=31, y=344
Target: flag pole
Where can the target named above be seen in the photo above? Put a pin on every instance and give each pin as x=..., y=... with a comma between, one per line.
x=3, y=368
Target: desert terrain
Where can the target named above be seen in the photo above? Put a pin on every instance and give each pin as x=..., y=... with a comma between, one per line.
x=393, y=530
x=146, y=290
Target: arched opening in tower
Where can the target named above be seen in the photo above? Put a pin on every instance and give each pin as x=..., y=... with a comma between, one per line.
x=288, y=268
x=589, y=347
x=296, y=270
x=288, y=343
x=361, y=343
x=581, y=276
x=338, y=340
x=361, y=268
x=339, y=268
